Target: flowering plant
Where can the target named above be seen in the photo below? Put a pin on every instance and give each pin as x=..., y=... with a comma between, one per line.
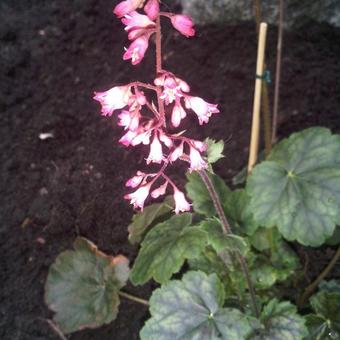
x=242, y=269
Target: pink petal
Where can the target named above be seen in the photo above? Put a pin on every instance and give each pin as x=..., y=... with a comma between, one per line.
x=196, y=161
x=165, y=139
x=136, y=50
x=178, y=113
x=181, y=203
x=152, y=9
x=135, y=20
x=134, y=181
x=177, y=153
x=156, y=154
x=113, y=99
x=126, y=7
x=183, y=24
x=160, y=191
x=138, y=197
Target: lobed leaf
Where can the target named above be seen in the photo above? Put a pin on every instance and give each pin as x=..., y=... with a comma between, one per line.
x=235, y=204
x=220, y=241
x=215, y=150
x=298, y=188
x=165, y=248
x=192, y=309
x=325, y=323
x=199, y=194
x=141, y=221
x=281, y=322
x=82, y=286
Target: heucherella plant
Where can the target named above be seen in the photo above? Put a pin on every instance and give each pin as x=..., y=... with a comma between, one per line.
x=145, y=122
x=245, y=280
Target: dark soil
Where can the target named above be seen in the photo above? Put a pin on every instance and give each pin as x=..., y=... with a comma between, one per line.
x=53, y=55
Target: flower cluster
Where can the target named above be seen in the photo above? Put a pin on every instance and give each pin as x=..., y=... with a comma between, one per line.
x=149, y=127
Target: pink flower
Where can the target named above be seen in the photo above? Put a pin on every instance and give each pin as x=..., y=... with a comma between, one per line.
x=134, y=181
x=159, y=191
x=196, y=161
x=138, y=197
x=178, y=113
x=167, y=141
x=126, y=7
x=128, y=137
x=156, y=153
x=183, y=24
x=141, y=137
x=200, y=146
x=177, y=153
x=113, y=99
x=173, y=87
x=152, y=9
x=180, y=201
x=136, y=50
x=130, y=120
x=137, y=24
x=203, y=109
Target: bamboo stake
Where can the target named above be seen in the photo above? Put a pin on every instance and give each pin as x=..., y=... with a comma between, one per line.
x=255, y=130
x=267, y=126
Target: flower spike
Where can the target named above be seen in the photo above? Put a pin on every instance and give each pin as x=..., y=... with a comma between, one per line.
x=146, y=119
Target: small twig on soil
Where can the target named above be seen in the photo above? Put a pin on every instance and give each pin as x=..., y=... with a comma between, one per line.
x=56, y=329
x=278, y=71
x=310, y=289
x=134, y=298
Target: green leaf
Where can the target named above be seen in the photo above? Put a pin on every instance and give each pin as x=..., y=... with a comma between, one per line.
x=215, y=150
x=82, y=286
x=192, y=309
x=332, y=286
x=261, y=239
x=220, y=241
x=199, y=194
x=208, y=262
x=327, y=305
x=282, y=322
x=278, y=267
x=298, y=188
x=334, y=240
x=325, y=323
x=165, y=248
x=239, y=214
x=147, y=218
x=319, y=329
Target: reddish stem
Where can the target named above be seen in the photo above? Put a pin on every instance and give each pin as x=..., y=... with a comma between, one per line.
x=147, y=86
x=159, y=68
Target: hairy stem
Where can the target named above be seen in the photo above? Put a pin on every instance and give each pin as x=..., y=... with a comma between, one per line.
x=134, y=298
x=159, y=67
x=158, y=45
x=310, y=289
x=227, y=230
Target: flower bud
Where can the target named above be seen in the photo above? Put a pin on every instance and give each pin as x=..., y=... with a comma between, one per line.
x=183, y=24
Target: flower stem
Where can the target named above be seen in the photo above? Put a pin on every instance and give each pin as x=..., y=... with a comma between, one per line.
x=158, y=45
x=134, y=298
x=159, y=67
x=310, y=289
x=227, y=230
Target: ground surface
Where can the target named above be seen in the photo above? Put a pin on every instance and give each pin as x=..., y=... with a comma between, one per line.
x=53, y=55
